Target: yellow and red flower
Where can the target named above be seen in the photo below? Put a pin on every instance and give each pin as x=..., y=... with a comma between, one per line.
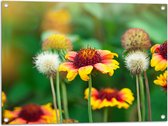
x=109, y=97
x=159, y=56
x=31, y=114
x=84, y=61
x=162, y=80
x=3, y=98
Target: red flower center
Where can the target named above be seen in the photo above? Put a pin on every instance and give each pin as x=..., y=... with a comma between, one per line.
x=163, y=50
x=31, y=112
x=87, y=57
x=109, y=94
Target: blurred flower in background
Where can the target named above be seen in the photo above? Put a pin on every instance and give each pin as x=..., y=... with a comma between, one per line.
x=109, y=97
x=31, y=114
x=57, y=20
x=58, y=42
x=11, y=60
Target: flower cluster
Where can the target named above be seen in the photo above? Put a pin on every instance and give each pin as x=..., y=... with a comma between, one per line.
x=159, y=62
x=135, y=41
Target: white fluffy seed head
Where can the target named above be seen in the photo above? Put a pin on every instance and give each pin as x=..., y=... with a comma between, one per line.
x=47, y=63
x=137, y=62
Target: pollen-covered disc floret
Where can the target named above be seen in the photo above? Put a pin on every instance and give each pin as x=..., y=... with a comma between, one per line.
x=159, y=56
x=57, y=41
x=84, y=61
x=47, y=63
x=137, y=62
x=162, y=80
x=109, y=97
x=31, y=114
x=135, y=38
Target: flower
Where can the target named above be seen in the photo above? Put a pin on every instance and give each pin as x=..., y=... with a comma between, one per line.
x=162, y=80
x=109, y=97
x=3, y=98
x=159, y=56
x=57, y=41
x=57, y=20
x=31, y=114
x=135, y=38
x=47, y=62
x=85, y=60
x=137, y=62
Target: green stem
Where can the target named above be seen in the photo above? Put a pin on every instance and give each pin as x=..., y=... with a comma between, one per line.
x=148, y=97
x=138, y=99
x=105, y=119
x=58, y=96
x=54, y=97
x=89, y=100
x=65, y=101
x=142, y=96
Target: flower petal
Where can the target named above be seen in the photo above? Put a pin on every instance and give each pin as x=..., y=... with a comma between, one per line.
x=94, y=93
x=156, y=58
x=66, y=66
x=72, y=74
x=153, y=48
x=71, y=55
x=161, y=65
x=127, y=98
x=102, y=67
x=18, y=121
x=84, y=72
x=106, y=54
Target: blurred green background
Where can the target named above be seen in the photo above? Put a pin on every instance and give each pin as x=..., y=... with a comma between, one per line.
x=26, y=24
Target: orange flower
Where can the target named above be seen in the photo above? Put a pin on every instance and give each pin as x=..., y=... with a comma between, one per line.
x=109, y=97
x=31, y=114
x=84, y=61
x=162, y=80
x=159, y=56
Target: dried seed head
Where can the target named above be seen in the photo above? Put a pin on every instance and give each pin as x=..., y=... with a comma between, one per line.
x=135, y=38
x=137, y=62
